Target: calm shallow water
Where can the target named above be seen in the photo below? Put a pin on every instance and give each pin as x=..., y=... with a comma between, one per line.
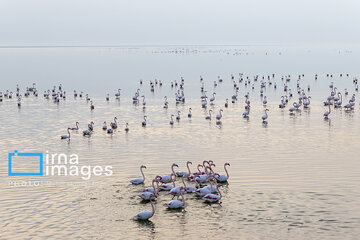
x=296, y=177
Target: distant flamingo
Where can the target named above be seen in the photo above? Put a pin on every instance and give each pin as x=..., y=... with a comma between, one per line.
x=189, y=114
x=75, y=128
x=209, y=116
x=66, y=136
x=265, y=116
x=327, y=113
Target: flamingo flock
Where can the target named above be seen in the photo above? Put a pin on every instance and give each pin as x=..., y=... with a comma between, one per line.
x=204, y=183
x=335, y=100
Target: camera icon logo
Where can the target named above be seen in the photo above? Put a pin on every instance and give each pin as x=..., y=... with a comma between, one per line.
x=25, y=164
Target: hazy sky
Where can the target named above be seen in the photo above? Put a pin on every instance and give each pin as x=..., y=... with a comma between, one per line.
x=107, y=22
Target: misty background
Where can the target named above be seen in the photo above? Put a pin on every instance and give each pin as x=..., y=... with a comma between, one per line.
x=175, y=22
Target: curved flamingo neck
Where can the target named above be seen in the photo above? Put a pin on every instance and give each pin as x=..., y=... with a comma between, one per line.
x=227, y=174
x=187, y=164
x=142, y=173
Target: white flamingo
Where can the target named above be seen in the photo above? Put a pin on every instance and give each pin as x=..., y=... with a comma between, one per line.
x=66, y=136
x=139, y=180
x=219, y=115
x=167, y=186
x=117, y=95
x=176, y=203
x=265, y=116
x=327, y=113
x=183, y=173
x=213, y=197
x=114, y=124
x=167, y=178
x=223, y=178
x=76, y=126
x=145, y=215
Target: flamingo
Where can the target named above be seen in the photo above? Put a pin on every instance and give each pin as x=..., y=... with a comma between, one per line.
x=143, y=101
x=167, y=187
x=189, y=114
x=247, y=111
x=89, y=130
x=219, y=115
x=204, y=103
x=223, y=178
x=135, y=98
x=209, y=116
x=126, y=127
x=327, y=113
x=183, y=173
x=144, y=122
x=75, y=128
x=176, y=191
x=227, y=103
x=104, y=126
x=213, y=197
x=107, y=97
x=212, y=99
x=171, y=119
x=189, y=189
x=66, y=136
x=145, y=215
x=265, y=100
x=92, y=105
x=117, y=95
x=265, y=116
x=167, y=178
x=178, y=116
x=153, y=189
x=19, y=101
x=114, y=125
x=202, y=191
x=307, y=102
x=137, y=181
x=176, y=203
